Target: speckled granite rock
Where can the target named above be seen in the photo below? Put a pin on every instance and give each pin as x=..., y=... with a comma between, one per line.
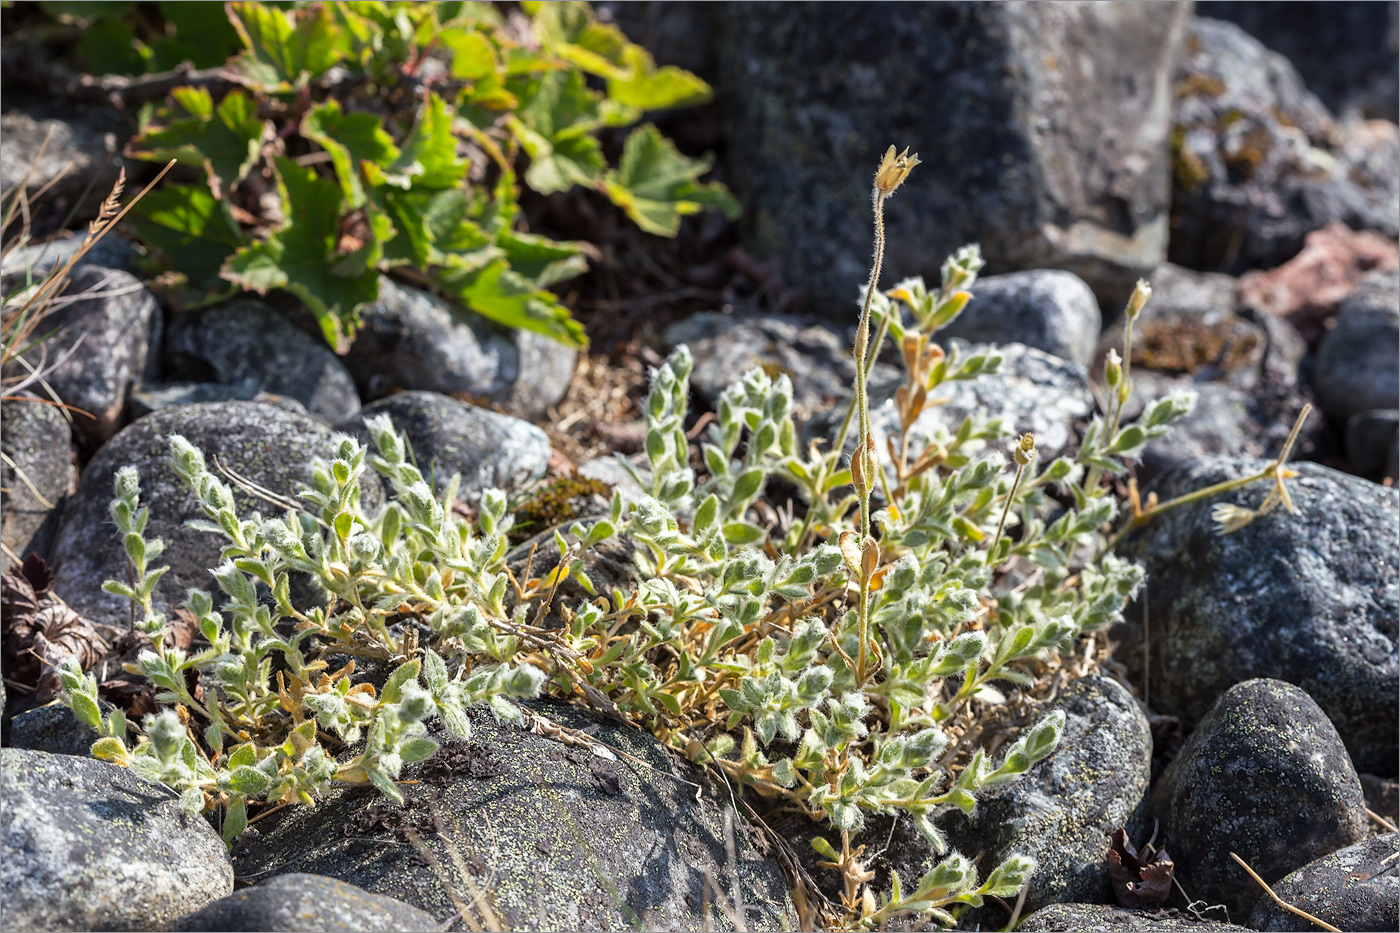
x=301, y=903
x=413, y=340
x=37, y=440
x=1093, y=918
x=53, y=729
x=115, y=324
x=1264, y=775
x=1356, y=888
x=1358, y=362
x=245, y=342
x=551, y=836
x=1062, y=812
x=87, y=845
x=1310, y=598
x=447, y=436
x=1058, y=161
x=264, y=443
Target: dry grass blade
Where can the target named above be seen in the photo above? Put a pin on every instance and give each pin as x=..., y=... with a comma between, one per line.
x=1280, y=901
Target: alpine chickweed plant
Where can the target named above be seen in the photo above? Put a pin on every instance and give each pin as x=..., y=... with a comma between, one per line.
x=841, y=655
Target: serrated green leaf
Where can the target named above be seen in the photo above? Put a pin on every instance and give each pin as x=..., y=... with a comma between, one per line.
x=204, y=35
x=554, y=119
x=652, y=88
x=108, y=48
x=351, y=140
x=283, y=50
x=499, y=293
x=570, y=30
x=429, y=154
x=299, y=255
x=543, y=261
x=656, y=185
x=432, y=228
x=191, y=227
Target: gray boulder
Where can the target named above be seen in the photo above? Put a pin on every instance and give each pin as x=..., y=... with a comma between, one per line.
x=53, y=729
x=1266, y=776
x=87, y=845
x=1046, y=309
x=1093, y=918
x=78, y=165
x=447, y=436
x=1257, y=161
x=1358, y=362
x=39, y=259
x=1310, y=599
x=1356, y=888
x=36, y=477
x=158, y=396
x=412, y=340
x=246, y=343
x=540, y=835
x=301, y=903
x=1049, y=161
x=1062, y=812
x=265, y=444
x=111, y=324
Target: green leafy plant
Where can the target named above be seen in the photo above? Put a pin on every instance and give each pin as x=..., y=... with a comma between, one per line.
x=839, y=656
x=371, y=138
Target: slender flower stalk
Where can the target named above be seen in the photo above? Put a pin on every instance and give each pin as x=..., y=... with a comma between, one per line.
x=864, y=461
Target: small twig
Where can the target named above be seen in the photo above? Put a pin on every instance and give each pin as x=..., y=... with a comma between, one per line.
x=1280, y=901
x=1382, y=821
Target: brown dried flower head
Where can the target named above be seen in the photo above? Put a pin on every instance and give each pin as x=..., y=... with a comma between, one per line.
x=893, y=170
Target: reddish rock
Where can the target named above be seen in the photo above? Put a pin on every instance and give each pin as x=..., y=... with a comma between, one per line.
x=1311, y=286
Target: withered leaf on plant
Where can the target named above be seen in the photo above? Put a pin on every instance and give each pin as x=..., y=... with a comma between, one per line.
x=1138, y=882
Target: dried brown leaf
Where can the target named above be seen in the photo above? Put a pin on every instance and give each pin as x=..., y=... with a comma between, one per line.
x=1138, y=882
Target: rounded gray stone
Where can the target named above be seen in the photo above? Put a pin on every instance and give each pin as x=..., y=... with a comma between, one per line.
x=1311, y=598
x=245, y=343
x=1358, y=362
x=411, y=340
x=1356, y=888
x=53, y=729
x=263, y=443
x=447, y=436
x=1062, y=811
x=37, y=476
x=1266, y=776
x=1371, y=438
x=302, y=903
x=1047, y=309
x=540, y=835
x=87, y=845
x=112, y=320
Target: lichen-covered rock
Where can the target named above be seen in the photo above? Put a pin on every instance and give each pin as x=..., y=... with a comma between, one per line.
x=1046, y=309
x=302, y=903
x=1062, y=812
x=245, y=342
x=157, y=396
x=447, y=436
x=36, y=476
x=1264, y=775
x=541, y=835
x=263, y=443
x=1356, y=888
x=412, y=340
x=1101, y=918
x=112, y=320
x=1057, y=161
x=816, y=358
x=1310, y=598
x=1358, y=362
x=1257, y=161
x=87, y=845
